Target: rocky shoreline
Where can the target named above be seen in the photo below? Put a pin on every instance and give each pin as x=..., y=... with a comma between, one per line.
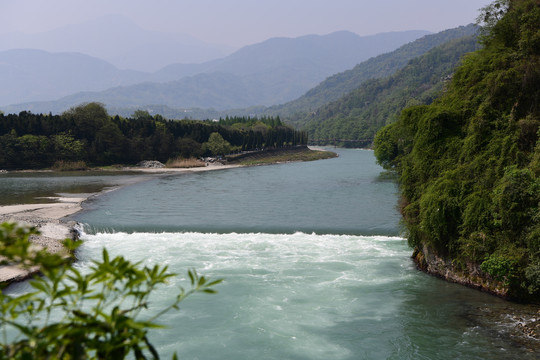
x=519, y=324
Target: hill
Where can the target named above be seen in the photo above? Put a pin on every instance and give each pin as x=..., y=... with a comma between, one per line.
x=359, y=114
x=311, y=55
x=469, y=164
x=377, y=67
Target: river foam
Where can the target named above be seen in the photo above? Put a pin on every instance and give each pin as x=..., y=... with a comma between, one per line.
x=287, y=294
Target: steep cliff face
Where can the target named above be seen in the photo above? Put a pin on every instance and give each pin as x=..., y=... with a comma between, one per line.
x=469, y=164
x=469, y=274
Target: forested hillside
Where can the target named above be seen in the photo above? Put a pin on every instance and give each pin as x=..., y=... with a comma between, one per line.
x=379, y=66
x=357, y=116
x=88, y=134
x=469, y=164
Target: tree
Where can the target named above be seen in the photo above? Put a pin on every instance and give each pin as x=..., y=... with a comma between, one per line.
x=141, y=115
x=217, y=145
x=109, y=144
x=66, y=147
x=88, y=118
x=100, y=309
x=187, y=147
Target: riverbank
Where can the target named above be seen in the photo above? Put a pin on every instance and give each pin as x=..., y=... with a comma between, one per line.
x=47, y=218
x=51, y=218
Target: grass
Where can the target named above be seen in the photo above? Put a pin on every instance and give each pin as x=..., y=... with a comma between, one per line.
x=62, y=165
x=282, y=155
x=184, y=163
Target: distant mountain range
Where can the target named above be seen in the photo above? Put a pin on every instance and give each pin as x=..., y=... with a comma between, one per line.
x=380, y=66
x=118, y=40
x=37, y=75
x=271, y=72
x=301, y=110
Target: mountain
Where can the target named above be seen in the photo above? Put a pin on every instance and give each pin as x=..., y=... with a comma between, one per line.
x=119, y=41
x=313, y=55
x=37, y=75
x=271, y=72
x=212, y=90
x=296, y=112
x=356, y=117
x=377, y=67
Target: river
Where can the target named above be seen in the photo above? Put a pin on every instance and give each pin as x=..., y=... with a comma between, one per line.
x=313, y=262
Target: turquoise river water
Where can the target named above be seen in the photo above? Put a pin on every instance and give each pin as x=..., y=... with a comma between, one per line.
x=313, y=266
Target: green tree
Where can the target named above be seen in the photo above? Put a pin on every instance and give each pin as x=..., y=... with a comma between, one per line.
x=187, y=147
x=216, y=145
x=109, y=143
x=66, y=147
x=88, y=118
x=141, y=115
x=75, y=315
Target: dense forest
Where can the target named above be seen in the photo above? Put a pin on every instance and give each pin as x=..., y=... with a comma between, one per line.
x=358, y=115
x=469, y=164
x=87, y=133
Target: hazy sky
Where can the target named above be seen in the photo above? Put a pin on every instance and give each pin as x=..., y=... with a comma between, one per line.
x=241, y=22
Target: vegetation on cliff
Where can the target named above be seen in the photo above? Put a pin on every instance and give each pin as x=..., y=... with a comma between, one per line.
x=469, y=164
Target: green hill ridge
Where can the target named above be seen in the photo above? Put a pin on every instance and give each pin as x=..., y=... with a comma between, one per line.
x=384, y=65
x=356, y=117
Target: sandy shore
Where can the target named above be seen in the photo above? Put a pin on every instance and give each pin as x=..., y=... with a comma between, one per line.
x=45, y=217
x=50, y=219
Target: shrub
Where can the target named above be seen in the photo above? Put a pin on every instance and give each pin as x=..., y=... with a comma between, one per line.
x=99, y=309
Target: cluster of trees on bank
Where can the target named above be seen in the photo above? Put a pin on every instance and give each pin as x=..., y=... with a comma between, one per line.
x=87, y=133
x=469, y=164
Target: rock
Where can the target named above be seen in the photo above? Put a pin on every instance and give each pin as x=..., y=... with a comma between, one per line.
x=469, y=274
x=151, y=164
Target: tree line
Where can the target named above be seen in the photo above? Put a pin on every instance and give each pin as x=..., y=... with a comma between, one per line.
x=87, y=133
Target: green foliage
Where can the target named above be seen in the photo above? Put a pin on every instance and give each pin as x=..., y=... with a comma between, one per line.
x=515, y=198
x=505, y=264
x=468, y=164
x=491, y=14
x=69, y=314
x=86, y=133
x=386, y=147
x=216, y=145
x=141, y=115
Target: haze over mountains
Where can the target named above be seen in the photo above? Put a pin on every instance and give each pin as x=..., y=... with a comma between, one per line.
x=268, y=73
x=118, y=40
